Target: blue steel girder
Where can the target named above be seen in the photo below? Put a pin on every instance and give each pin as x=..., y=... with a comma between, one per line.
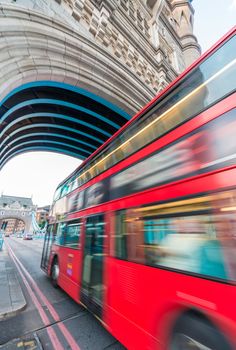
x=56, y=117
x=42, y=148
x=47, y=127
x=43, y=135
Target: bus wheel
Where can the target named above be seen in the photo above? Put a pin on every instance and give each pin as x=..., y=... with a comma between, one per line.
x=192, y=332
x=55, y=273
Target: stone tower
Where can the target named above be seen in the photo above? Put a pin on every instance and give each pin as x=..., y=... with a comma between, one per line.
x=119, y=53
x=18, y=208
x=149, y=42
x=183, y=15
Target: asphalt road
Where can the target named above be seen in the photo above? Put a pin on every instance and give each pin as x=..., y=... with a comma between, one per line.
x=57, y=320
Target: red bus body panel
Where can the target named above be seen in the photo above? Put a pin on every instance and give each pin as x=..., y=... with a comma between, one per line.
x=141, y=303
x=70, y=270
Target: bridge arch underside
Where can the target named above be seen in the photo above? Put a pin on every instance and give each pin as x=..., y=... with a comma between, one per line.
x=25, y=219
x=59, y=89
x=56, y=117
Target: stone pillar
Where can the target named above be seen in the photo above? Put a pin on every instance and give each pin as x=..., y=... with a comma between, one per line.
x=183, y=14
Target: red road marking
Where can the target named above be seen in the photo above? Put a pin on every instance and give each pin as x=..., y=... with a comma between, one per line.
x=51, y=333
x=71, y=341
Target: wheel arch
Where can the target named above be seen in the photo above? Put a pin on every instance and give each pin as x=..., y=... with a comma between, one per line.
x=54, y=258
x=192, y=314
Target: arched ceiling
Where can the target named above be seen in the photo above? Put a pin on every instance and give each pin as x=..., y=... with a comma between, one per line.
x=57, y=117
x=59, y=90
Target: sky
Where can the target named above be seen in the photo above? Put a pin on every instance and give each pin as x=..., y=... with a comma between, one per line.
x=213, y=19
x=38, y=174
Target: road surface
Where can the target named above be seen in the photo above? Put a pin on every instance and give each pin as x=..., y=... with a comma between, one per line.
x=57, y=320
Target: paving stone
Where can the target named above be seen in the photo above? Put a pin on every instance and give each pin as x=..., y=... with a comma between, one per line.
x=12, y=299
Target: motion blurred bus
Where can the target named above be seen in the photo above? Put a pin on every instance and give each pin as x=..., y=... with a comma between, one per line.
x=143, y=233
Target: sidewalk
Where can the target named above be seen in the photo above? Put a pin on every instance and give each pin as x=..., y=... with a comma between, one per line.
x=12, y=299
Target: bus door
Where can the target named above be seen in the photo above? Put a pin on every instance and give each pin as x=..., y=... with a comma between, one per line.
x=93, y=260
x=48, y=239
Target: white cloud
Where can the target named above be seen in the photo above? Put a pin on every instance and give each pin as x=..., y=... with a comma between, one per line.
x=37, y=174
x=233, y=5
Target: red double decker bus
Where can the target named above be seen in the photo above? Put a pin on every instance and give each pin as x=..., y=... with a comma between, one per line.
x=143, y=233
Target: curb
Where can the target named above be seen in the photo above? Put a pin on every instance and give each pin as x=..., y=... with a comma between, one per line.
x=11, y=313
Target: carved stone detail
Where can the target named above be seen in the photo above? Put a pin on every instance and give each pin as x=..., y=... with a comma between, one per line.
x=134, y=31
x=143, y=43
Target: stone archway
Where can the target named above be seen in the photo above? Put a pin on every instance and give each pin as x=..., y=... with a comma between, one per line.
x=14, y=225
x=18, y=208
x=115, y=64
x=34, y=47
x=36, y=50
